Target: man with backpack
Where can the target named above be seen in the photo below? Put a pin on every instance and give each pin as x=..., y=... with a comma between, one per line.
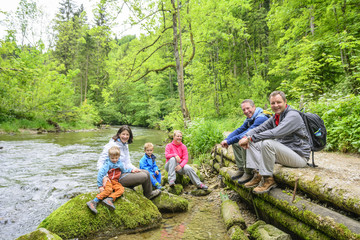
x=254, y=117
x=282, y=139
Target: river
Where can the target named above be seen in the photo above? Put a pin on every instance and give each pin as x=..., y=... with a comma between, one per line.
x=40, y=172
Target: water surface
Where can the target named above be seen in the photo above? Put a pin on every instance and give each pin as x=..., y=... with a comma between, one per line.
x=40, y=172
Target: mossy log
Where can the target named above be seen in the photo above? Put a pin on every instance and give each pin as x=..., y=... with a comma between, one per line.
x=335, y=225
x=262, y=231
x=74, y=219
x=231, y=214
x=227, y=153
x=236, y=233
x=308, y=181
x=317, y=188
x=224, y=162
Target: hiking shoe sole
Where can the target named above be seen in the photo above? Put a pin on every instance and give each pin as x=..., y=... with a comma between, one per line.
x=107, y=203
x=92, y=207
x=154, y=194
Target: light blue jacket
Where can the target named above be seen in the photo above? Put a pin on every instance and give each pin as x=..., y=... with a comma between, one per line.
x=149, y=164
x=113, y=170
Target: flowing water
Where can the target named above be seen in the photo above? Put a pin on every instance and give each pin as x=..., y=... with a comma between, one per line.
x=40, y=172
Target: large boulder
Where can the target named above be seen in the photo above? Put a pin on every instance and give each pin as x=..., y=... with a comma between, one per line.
x=133, y=213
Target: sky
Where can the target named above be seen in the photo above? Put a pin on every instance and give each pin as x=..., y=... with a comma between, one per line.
x=51, y=7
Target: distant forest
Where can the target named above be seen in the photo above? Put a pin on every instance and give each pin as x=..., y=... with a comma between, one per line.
x=195, y=60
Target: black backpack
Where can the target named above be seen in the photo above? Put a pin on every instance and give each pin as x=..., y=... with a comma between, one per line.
x=317, y=131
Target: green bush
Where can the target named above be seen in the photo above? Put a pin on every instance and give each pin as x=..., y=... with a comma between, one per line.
x=342, y=120
x=201, y=136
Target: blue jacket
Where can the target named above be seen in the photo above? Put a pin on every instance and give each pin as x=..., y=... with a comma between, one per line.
x=256, y=120
x=113, y=170
x=149, y=163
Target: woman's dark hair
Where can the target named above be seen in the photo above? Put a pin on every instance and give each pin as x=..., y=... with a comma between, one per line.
x=123, y=128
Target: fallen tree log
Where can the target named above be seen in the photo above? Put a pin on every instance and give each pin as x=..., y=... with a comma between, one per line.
x=278, y=203
x=316, y=182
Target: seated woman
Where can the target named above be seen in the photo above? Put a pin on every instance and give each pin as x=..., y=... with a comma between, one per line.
x=176, y=155
x=121, y=139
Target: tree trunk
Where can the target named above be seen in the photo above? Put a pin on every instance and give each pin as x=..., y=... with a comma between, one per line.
x=179, y=65
x=312, y=25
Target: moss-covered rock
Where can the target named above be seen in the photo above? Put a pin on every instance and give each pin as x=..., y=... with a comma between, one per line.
x=262, y=231
x=40, y=234
x=200, y=192
x=231, y=214
x=168, y=202
x=177, y=189
x=133, y=213
x=236, y=233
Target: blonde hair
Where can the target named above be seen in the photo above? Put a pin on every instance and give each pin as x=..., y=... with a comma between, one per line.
x=148, y=145
x=176, y=132
x=114, y=151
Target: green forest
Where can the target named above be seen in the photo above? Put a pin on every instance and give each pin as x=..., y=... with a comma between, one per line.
x=190, y=68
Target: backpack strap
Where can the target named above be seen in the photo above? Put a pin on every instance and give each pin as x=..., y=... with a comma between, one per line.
x=313, y=162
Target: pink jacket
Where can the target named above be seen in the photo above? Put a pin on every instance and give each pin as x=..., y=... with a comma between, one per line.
x=172, y=150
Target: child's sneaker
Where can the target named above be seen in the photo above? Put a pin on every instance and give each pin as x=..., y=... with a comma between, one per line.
x=158, y=186
x=109, y=203
x=171, y=183
x=92, y=205
x=202, y=186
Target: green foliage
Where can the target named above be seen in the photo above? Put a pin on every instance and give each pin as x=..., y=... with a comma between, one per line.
x=15, y=124
x=202, y=135
x=238, y=50
x=342, y=120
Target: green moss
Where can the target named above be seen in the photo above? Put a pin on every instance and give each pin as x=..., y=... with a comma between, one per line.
x=236, y=233
x=171, y=203
x=177, y=189
x=316, y=188
x=252, y=228
x=40, y=234
x=300, y=212
x=231, y=214
x=75, y=220
x=261, y=230
x=299, y=228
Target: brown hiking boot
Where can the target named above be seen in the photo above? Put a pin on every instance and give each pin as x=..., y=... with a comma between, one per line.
x=269, y=183
x=254, y=181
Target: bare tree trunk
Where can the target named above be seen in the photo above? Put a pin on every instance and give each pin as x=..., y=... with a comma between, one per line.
x=171, y=84
x=342, y=51
x=179, y=66
x=86, y=75
x=312, y=25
